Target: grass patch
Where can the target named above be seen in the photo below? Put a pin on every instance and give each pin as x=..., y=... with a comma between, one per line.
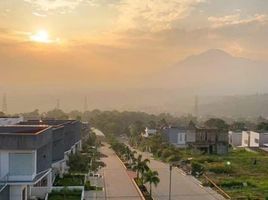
x=65, y=195
x=70, y=180
x=242, y=174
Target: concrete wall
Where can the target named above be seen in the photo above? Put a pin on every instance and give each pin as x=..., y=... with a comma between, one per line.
x=58, y=144
x=44, y=157
x=16, y=192
x=21, y=141
x=5, y=193
x=263, y=139
x=245, y=138
x=254, y=139
x=235, y=138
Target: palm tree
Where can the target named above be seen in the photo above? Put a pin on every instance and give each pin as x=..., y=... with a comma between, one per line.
x=141, y=166
x=151, y=177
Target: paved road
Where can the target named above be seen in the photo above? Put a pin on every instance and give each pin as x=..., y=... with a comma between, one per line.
x=118, y=185
x=184, y=187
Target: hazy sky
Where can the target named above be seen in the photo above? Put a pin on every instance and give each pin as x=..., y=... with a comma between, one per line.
x=51, y=44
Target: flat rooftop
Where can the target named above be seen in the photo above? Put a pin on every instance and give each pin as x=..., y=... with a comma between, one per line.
x=23, y=129
x=50, y=122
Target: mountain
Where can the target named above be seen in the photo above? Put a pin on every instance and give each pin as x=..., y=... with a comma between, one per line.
x=216, y=72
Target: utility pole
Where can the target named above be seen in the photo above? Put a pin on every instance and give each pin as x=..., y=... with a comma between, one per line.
x=58, y=104
x=170, y=173
x=4, y=106
x=196, y=106
x=85, y=104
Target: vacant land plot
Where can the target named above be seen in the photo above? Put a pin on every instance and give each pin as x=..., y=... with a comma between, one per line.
x=242, y=174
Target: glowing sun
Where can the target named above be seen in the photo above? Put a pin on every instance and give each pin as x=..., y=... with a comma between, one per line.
x=41, y=36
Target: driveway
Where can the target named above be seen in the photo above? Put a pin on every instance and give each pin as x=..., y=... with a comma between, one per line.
x=118, y=184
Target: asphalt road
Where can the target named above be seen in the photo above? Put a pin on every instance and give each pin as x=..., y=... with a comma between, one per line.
x=118, y=184
x=183, y=186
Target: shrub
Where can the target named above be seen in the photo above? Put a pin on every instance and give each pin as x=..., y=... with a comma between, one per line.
x=197, y=169
x=220, y=169
x=236, y=184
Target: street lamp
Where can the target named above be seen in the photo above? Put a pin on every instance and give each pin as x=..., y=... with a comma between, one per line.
x=170, y=172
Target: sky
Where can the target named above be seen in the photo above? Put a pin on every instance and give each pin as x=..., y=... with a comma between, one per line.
x=53, y=45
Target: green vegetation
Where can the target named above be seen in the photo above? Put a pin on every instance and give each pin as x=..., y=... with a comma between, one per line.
x=70, y=180
x=65, y=194
x=78, y=163
x=242, y=174
x=151, y=177
x=88, y=187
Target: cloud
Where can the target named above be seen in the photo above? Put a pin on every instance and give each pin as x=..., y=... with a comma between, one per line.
x=236, y=19
x=39, y=14
x=50, y=5
x=153, y=15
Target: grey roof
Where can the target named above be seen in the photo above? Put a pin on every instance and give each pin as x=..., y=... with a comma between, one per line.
x=23, y=129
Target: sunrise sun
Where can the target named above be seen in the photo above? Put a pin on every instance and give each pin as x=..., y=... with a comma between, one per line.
x=40, y=36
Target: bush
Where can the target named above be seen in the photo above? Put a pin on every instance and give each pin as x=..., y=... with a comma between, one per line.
x=88, y=187
x=236, y=184
x=70, y=180
x=220, y=169
x=197, y=169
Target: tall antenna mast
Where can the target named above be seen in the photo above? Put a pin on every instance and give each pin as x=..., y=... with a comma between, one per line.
x=196, y=106
x=58, y=104
x=85, y=104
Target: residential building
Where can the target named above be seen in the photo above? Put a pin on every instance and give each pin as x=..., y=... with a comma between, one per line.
x=235, y=138
x=148, y=132
x=25, y=161
x=4, y=121
x=248, y=139
x=66, y=140
x=210, y=140
x=175, y=136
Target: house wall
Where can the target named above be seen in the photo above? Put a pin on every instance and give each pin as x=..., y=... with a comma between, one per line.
x=44, y=157
x=16, y=192
x=245, y=139
x=235, y=138
x=190, y=136
x=58, y=144
x=5, y=193
x=254, y=139
x=263, y=139
x=22, y=141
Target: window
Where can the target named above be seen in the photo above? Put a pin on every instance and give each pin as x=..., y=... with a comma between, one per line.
x=21, y=164
x=24, y=194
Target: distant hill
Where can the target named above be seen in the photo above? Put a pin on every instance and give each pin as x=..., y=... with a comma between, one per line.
x=236, y=106
x=217, y=72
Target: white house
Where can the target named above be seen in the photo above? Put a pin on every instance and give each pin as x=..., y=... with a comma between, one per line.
x=149, y=132
x=247, y=139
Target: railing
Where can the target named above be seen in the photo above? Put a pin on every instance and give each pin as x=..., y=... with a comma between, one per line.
x=220, y=191
x=39, y=192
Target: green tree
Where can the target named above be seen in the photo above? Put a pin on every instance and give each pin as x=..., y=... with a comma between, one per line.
x=141, y=166
x=56, y=114
x=216, y=123
x=151, y=177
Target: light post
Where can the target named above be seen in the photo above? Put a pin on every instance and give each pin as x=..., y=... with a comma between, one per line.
x=170, y=173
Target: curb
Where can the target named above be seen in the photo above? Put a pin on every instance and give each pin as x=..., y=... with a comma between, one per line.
x=138, y=189
x=120, y=161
